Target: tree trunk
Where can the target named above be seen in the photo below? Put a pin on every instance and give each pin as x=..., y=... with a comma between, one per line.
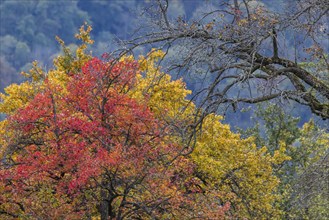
x=104, y=206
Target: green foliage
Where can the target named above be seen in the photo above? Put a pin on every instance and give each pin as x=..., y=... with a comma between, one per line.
x=303, y=183
x=310, y=189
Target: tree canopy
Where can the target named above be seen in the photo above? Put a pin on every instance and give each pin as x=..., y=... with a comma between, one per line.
x=105, y=138
x=120, y=135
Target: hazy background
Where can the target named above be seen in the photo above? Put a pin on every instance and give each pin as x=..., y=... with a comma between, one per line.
x=28, y=29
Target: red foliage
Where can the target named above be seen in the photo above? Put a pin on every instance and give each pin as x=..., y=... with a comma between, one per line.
x=94, y=144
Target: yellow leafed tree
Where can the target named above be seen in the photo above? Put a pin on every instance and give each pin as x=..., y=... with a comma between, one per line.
x=226, y=164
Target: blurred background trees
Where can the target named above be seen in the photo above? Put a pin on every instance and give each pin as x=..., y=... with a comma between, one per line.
x=28, y=29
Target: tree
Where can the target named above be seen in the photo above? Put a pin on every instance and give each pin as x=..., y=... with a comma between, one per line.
x=241, y=45
x=92, y=144
x=112, y=138
x=242, y=172
x=303, y=178
x=309, y=197
x=226, y=166
x=78, y=145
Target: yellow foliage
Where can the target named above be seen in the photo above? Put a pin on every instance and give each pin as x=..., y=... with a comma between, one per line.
x=314, y=142
x=84, y=34
x=166, y=98
x=279, y=155
x=36, y=73
x=238, y=169
x=70, y=63
x=232, y=167
x=17, y=96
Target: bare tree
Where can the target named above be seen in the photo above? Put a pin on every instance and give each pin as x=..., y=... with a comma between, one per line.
x=249, y=52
